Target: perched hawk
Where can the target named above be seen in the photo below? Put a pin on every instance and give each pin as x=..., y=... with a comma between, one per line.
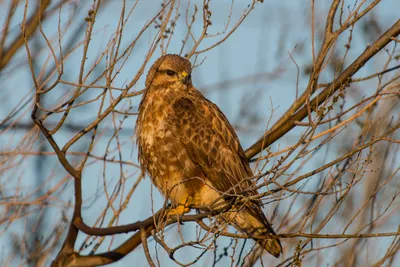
x=191, y=151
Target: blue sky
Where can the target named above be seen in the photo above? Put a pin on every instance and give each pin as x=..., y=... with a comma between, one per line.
x=261, y=46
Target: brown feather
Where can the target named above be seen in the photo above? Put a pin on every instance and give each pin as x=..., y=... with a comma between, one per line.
x=192, y=152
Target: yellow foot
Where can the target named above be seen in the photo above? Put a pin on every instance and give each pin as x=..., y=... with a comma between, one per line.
x=180, y=210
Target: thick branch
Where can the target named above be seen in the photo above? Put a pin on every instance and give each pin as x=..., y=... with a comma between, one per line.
x=30, y=28
x=342, y=80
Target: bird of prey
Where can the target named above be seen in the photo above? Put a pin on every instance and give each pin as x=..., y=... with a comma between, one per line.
x=192, y=153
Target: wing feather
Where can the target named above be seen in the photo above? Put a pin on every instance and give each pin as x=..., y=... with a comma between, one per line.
x=212, y=143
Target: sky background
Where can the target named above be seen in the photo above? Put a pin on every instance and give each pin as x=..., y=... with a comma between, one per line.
x=259, y=48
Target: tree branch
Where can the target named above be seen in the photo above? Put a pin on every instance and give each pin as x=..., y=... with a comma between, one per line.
x=30, y=28
x=342, y=81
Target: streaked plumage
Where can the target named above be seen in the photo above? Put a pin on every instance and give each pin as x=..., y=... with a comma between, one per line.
x=191, y=151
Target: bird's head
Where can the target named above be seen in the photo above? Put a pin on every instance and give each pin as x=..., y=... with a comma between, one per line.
x=170, y=69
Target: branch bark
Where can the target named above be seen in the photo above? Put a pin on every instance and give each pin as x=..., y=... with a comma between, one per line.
x=343, y=80
x=30, y=28
x=67, y=255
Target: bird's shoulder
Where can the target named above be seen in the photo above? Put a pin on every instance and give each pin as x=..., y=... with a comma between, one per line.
x=201, y=120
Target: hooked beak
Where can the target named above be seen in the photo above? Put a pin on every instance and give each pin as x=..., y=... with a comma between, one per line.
x=185, y=77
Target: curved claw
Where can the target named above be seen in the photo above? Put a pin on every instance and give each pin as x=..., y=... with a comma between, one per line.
x=180, y=210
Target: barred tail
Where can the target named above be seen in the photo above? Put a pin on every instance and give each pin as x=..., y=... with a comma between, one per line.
x=256, y=225
x=273, y=246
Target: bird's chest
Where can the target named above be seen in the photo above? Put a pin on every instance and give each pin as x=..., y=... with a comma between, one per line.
x=153, y=126
x=155, y=139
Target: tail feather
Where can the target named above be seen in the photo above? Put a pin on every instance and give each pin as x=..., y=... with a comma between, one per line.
x=246, y=222
x=273, y=246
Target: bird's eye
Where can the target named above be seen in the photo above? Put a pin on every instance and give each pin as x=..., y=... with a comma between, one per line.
x=170, y=73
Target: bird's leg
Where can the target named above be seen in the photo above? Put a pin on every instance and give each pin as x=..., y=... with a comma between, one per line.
x=179, y=210
x=182, y=207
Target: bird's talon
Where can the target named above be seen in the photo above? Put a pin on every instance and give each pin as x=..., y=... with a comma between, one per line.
x=180, y=210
